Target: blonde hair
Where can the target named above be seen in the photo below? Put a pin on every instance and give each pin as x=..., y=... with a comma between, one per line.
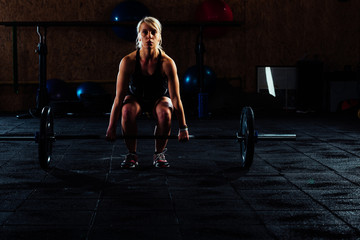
x=153, y=23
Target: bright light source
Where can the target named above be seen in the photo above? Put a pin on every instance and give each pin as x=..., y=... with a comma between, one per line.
x=269, y=81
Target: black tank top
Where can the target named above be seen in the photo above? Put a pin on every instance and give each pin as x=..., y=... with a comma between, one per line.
x=150, y=87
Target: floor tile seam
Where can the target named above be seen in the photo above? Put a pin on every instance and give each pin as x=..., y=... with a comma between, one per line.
x=335, y=171
x=318, y=225
x=42, y=227
x=347, y=210
x=229, y=199
x=310, y=209
x=327, y=208
x=323, y=210
x=249, y=174
x=250, y=207
x=57, y=224
x=135, y=226
x=15, y=199
x=347, y=169
x=8, y=160
x=94, y=213
x=219, y=224
x=175, y=211
x=133, y=211
x=317, y=201
x=320, y=180
x=59, y=198
x=96, y=209
x=15, y=128
x=54, y=210
x=331, y=144
x=298, y=224
x=235, y=227
x=287, y=176
x=62, y=156
x=278, y=199
x=307, y=189
x=322, y=199
x=106, y=198
x=266, y=188
x=18, y=207
x=326, y=166
x=338, y=211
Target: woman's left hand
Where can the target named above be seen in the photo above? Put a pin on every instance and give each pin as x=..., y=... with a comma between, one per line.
x=183, y=136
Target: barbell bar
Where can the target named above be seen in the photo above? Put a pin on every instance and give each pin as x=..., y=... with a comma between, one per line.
x=246, y=136
x=262, y=137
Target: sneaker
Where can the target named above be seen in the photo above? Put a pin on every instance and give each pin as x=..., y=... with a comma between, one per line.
x=160, y=160
x=131, y=161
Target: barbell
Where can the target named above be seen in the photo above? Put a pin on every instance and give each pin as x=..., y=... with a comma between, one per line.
x=246, y=137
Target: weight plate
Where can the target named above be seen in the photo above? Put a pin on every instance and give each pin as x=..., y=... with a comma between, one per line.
x=247, y=144
x=45, y=137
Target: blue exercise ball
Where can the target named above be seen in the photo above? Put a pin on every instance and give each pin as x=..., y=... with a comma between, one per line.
x=128, y=11
x=191, y=83
x=57, y=89
x=89, y=89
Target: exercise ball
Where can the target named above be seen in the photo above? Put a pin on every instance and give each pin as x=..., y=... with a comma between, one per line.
x=214, y=11
x=57, y=89
x=128, y=11
x=191, y=84
x=89, y=89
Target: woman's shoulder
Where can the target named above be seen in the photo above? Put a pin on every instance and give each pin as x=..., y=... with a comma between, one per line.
x=166, y=59
x=130, y=57
x=129, y=60
x=168, y=64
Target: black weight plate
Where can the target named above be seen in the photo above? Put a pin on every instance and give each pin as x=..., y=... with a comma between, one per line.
x=247, y=144
x=45, y=137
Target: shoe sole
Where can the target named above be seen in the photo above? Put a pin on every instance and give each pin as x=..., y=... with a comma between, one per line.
x=129, y=166
x=161, y=166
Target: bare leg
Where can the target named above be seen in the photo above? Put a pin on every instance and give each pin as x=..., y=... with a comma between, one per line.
x=130, y=111
x=163, y=128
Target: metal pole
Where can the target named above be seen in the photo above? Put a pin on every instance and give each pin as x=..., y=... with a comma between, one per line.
x=42, y=100
x=15, y=61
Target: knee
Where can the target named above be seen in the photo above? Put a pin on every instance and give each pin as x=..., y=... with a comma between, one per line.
x=128, y=113
x=164, y=116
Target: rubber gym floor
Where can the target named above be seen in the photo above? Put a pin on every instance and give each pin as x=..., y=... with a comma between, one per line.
x=307, y=189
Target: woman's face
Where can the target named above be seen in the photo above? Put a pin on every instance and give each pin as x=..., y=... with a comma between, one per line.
x=149, y=37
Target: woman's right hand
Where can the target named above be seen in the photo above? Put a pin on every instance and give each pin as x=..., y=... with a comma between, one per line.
x=111, y=134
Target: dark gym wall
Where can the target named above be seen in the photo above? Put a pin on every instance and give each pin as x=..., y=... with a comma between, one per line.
x=275, y=32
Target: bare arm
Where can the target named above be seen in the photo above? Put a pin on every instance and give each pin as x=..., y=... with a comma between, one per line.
x=174, y=90
x=122, y=84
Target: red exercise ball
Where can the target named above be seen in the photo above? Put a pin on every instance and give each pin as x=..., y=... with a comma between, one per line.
x=214, y=10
